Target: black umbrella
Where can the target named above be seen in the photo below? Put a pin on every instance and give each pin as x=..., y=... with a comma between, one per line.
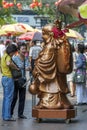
x=37, y=36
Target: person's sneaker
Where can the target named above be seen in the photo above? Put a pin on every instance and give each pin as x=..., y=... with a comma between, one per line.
x=22, y=117
x=10, y=119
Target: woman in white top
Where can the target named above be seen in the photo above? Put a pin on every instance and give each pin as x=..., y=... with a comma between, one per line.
x=70, y=76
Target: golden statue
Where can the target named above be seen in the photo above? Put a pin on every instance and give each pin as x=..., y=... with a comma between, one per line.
x=51, y=67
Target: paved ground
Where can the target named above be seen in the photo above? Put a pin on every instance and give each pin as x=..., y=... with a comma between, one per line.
x=78, y=123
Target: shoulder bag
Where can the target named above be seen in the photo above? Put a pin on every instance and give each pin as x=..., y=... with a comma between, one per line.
x=16, y=73
x=22, y=80
x=79, y=77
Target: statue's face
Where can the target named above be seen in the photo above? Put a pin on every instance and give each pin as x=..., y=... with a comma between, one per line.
x=46, y=31
x=44, y=35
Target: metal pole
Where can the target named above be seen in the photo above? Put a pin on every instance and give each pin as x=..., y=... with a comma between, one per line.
x=33, y=100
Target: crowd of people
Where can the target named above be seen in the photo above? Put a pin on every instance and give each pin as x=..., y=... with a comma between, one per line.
x=80, y=66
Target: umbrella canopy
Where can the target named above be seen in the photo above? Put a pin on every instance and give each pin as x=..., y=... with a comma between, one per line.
x=2, y=33
x=74, y=34
x=25, y=26
x=26, y=36
x=13, y=29
x=36, y=36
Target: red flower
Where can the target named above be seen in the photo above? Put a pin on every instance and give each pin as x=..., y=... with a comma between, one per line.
x=57, y=32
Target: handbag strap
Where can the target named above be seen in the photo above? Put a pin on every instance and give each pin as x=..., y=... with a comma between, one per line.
x=14, y=63
x=24, y=68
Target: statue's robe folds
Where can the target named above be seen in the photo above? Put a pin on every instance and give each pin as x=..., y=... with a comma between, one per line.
x=50, y=70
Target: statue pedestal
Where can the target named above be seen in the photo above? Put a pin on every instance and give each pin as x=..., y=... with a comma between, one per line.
x=66, y=114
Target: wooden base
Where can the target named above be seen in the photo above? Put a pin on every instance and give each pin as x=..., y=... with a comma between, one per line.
x=54, y=113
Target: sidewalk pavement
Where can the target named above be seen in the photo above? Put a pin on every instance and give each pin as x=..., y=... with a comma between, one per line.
x=77, y=123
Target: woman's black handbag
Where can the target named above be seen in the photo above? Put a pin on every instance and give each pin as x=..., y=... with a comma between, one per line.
x=16, y=74
x=79, y=78
x=21, y=81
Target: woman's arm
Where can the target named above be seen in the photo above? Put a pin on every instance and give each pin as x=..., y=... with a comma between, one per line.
x=11, y=65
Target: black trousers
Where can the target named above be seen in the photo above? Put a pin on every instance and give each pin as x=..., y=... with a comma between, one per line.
x=32, y=64
x=18, y=94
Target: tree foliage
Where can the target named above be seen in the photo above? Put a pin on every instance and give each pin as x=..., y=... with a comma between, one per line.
x=50, y=9
x=5, y=15
x=51, y=12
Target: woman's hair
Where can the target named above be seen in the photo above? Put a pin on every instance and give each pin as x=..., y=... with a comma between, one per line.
x=21, y=44
x=81, y=48
x=11, y=48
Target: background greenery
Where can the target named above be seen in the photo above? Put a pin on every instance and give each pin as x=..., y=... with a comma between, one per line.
x=5, y=15
x=52, y=12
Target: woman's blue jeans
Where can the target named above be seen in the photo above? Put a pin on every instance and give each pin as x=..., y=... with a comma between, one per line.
x=8, y=89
